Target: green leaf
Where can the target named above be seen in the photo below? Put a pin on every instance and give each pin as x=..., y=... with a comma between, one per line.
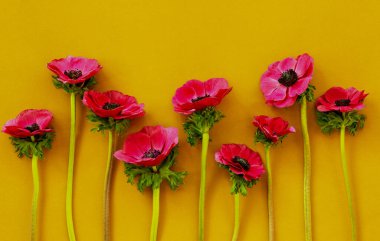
x=79, y=88
x=199, y=122
x=108, y=123
x=239, y=184
x=147, y=177
x=27, y=147
x=332, y=120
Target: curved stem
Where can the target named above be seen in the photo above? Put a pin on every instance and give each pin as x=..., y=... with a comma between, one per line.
x=70, y=174
x=107, y=185
x=270, y=195
x=237, y=221
x=155, y=214
x=307, y=170
x=202, y=191
x=36, y=188
x=347, y=182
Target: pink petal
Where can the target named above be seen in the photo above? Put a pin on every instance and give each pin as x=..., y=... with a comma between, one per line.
x=304, y=67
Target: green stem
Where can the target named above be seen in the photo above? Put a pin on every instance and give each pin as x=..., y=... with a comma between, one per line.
x=36, y=188
x=270, y=194
x=70, y=174
x=237, y=221
x=202, y=191
x=307, y=170
x=107, y=185
x=347, y=182
x=155, y=214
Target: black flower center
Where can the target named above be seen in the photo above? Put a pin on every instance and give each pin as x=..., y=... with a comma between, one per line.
x=288, y=78
x=343, y=102
x=152, y=153
x=242, y=162
x=110, y=106
x=199, y=98
x=73, y=74
x=33, y=127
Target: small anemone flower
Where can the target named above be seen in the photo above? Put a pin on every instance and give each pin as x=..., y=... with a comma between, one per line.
x=284, y=83
x=270, y=131
x=198, y=100
x=74, y=75
x=148, y=156
x=112, y=111
x=245, y=168
x=341, y=100
x=337, y=109
x=31, y=134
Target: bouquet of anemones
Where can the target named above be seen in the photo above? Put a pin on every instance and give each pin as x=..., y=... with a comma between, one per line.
x=31, y=134
x=112, y=111
x=148, y=156
x=245, y=167
x=270, y=131
x=197, y=100
x=74, y=75
x=338, y=109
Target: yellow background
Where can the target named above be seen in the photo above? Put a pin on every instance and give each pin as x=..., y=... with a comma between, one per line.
x=148, y=49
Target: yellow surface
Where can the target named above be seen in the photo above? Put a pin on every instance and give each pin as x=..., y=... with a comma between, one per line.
x=148, y=49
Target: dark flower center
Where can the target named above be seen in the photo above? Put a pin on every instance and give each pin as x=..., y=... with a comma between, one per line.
x=33, y=127
x=242, y=162
x=152, y=153
x=73, y=74
x=110, y=106
x=288, y=78
x=343, y=102
x=199, y=98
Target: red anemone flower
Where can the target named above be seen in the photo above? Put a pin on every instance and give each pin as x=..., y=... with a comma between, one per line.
x=273, y=128
x=148, y=147
x=74, y=70
x=197, y=95
x=113, y=104
x=29, y=123
x=241, y=160
x=342, y=100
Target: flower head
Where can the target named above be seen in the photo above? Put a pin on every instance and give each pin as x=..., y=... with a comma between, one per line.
x=241, y=160
x=285, y=80
x=197, y=95
x=29, y=123
x=342, y=100
x=148, y=147
x=274, y=129
x=74, y=70
x=113, y=104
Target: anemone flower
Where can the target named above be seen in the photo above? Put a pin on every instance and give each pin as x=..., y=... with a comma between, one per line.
x=112, y=111
x=31, y=133
x=338, y=109
x=148, y=155
x=74, y=75
x=284, y=83
x=197, y=100
x=270, y=131
x=245, y=168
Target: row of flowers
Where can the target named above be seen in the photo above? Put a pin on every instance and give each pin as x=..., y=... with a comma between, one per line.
x=149, y=154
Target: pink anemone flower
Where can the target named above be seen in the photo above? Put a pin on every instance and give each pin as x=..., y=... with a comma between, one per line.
x=241, y=160
x=113, y=104
x=29, y=123
x=148, y=147
x=74, y=70
x=285, y=80
x=197, y=95
x=342, y=100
